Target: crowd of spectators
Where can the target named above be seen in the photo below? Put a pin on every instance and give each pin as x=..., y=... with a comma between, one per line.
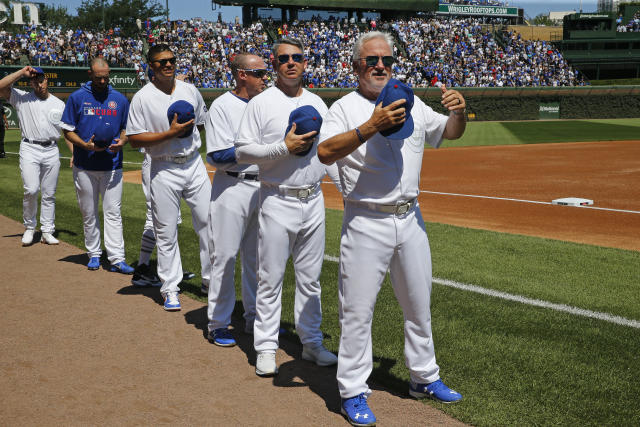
x=458, y=52
x=454, y=51
x=56, y=46
x=633, y=26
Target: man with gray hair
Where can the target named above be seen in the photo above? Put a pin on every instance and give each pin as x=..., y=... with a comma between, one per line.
x=291, y=218
x=376, y=137
x=233, y=211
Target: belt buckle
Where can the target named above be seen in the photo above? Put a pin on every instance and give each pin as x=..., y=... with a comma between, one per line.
x=304, y=193
x=403, y=208
x=180, y=159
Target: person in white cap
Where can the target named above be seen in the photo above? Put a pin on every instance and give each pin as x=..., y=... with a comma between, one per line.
x=39, y=113
x=376, y=136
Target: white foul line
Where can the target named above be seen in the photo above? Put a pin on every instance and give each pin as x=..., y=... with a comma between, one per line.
x=526, y=201
x=530, y=301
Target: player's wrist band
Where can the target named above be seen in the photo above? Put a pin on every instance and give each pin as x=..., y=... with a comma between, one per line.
x=360, y=137
x=459, y=113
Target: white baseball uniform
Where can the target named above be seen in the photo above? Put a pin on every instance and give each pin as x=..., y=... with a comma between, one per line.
x=233, y=217
x=39, y=155
x=177, y=171
x=383, y=230
x=291, y=218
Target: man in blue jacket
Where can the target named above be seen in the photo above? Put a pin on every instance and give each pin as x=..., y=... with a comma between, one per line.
x=94, y=121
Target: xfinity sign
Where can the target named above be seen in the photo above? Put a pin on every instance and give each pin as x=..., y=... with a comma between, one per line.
x=18, y=7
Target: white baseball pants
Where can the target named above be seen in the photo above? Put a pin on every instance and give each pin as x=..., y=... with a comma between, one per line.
x=287, y=227
x=148, y=240
x=372, y=243
x=90, y=185
x=233, y=222
x=39, y=168
x=171, y=182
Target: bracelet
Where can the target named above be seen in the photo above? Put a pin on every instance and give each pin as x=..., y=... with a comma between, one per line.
x=360, y=137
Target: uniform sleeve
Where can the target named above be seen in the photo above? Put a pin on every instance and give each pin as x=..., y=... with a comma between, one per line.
x=16, y=96
x=70, y=115
x=332, y=171
x=334, y=123
x=249, y=129
x=136, y=123
x=435, y=123
x=219, y=132
x=200, y=108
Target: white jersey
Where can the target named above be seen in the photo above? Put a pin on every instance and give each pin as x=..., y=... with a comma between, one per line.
x=148, y=113
x=221, y=126
x=39, y=118
x=382, y=170
x=265, y=122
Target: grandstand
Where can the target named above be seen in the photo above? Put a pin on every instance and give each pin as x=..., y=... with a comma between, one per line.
x=603, y=45
x=433, y=44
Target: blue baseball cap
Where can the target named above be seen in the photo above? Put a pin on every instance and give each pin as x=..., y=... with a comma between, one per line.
x=103, y=135
x=307, y=119
x=185, y=112
x=38, y=70
x=394, y=90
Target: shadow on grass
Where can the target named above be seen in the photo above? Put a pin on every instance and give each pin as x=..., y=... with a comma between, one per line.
x=569, y=131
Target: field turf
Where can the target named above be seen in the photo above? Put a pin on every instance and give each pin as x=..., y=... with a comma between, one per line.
x=514, y=364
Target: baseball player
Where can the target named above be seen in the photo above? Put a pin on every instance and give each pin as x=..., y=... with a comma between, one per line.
x=376, y=136
x=39, y=113
x=143, y=274
x=233, y=214
x=3, y=126
x=291, y=218
x=159, y=121
x=93, y=121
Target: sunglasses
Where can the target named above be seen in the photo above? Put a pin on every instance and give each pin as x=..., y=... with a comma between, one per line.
x=256, y=72
x=164, y=62
x=297, y=57
x=372, y=60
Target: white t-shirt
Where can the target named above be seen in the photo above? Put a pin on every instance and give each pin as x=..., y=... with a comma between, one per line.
x=148, y=113
x=39, y=119
x=221, y=126
x=382, y=170
x=265, y=121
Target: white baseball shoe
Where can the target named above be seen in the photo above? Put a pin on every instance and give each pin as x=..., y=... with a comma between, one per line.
x=315, y=352
x=266, y=364
x=27, y=237
x=49, y=239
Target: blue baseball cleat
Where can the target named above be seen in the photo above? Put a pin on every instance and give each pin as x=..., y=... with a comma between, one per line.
x=94, y=263
x=436, y=390
x=357, y=411
x=171, y=302
x=121, y=267
x=221, y=337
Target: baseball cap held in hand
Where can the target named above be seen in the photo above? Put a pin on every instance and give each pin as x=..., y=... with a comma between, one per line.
x=185, y=112
x=307, y=119
x=393, y=91
x=103, y=135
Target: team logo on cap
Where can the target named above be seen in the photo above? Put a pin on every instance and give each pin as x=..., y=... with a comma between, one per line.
x=113, y=104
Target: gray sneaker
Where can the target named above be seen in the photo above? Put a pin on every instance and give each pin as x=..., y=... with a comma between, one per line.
x=144, y=276
x=315, y=352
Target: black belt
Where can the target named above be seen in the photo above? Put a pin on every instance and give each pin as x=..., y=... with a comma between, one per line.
x=45, y=143
x=242, y=175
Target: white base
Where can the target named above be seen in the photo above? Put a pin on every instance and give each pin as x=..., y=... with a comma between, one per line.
x=573, y=201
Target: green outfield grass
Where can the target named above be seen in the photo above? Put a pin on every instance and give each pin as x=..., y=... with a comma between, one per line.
x=515, y=364
x=535, y=132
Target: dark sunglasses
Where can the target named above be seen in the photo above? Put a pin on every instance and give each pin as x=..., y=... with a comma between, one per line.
x=164, y=62
x=372, y=60
x=297, y=57
x=256, y=72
